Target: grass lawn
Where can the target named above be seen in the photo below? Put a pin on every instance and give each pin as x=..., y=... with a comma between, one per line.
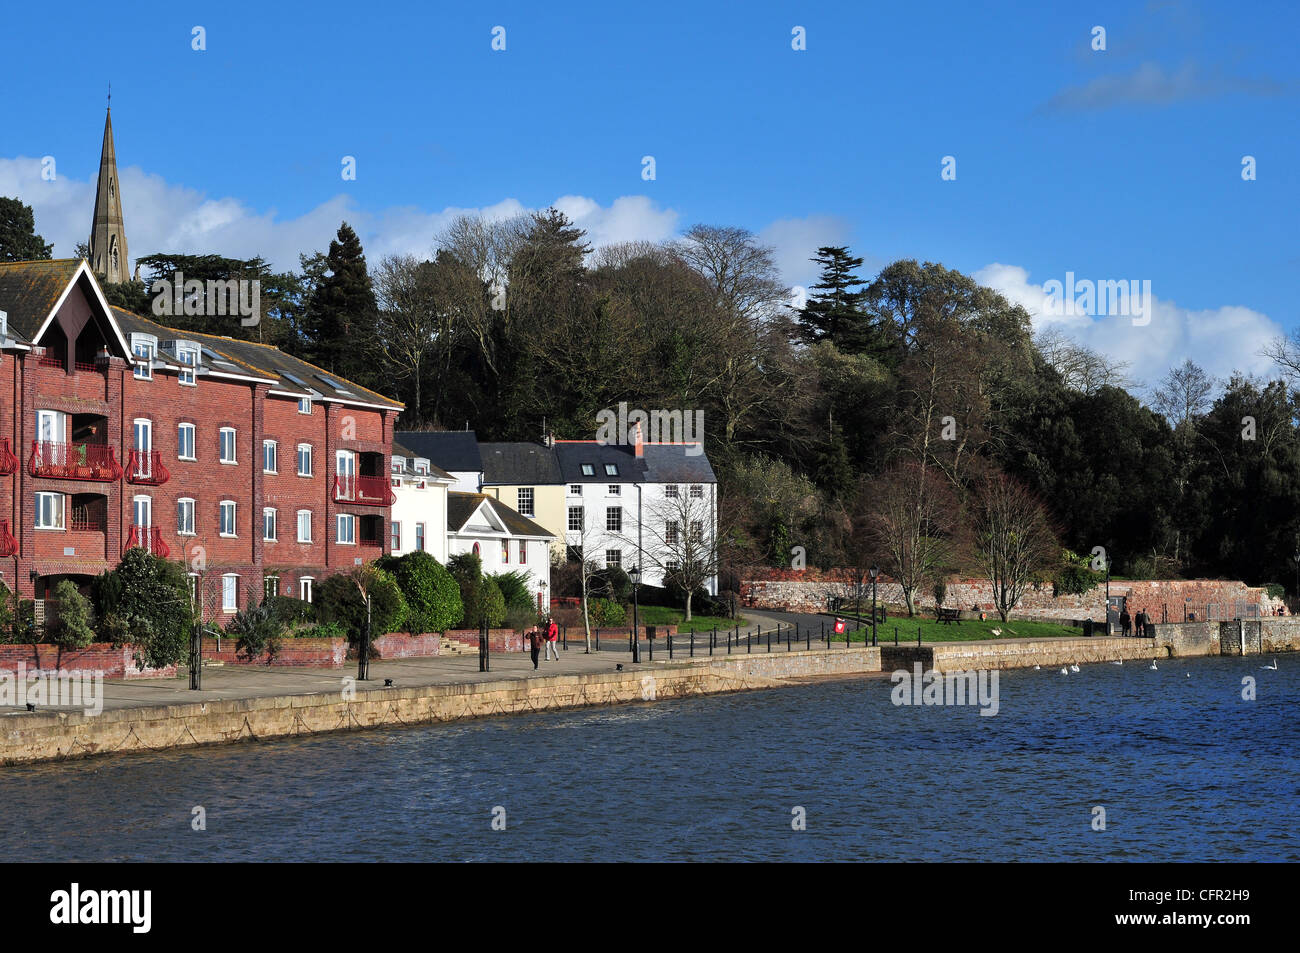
x=662, y=615
x=968, y=630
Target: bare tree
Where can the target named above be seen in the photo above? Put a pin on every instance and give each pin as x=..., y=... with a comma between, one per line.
x=1081, y=368
x=682, y=539
x=1014, y=542
x=581, y=544
x=1184, y=394
x=741, y=271
x=914, y=525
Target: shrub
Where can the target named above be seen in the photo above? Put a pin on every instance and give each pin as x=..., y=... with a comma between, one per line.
x=605, y=613
x=149, y=601
x=467, y=570
x=1074, y=576
x=341, y=602
x=289, y=611
x=1275, y=590
x=321, y=630
x=492, y=605
x=514, y=589
x=613, y=583
x=69, y=625
x=940, y=592
x=24, y=628
x=7, y=603
x=433, y=596
x=258, y=630
x=519, y=619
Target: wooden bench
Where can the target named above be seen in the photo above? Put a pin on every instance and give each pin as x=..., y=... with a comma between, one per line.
x=949, y=616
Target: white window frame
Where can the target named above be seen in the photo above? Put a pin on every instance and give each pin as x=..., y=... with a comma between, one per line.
x=304, y=401
x=234, y=446
x=221, y=519
x=274, y=524
x=61, y=521
x=230, y=592
x=697, y=491
x=582, y=519
x=310, y=460
x=395, y=530
x=611, y=469
x=187, y=375
x=421, y=538
x=671, y=491
x=142, y=365
x=136, y=502
x=531, y=506
x=505, y=552
x=609, y=513
x=180, y=442
x=575, y=489
x=184, y=505
x=350, y=521
x=274, y=448
x=301, y=514
x=615, y=489
x=613, y=557
x=58, y=426
x=305, y=585
x=588, y=469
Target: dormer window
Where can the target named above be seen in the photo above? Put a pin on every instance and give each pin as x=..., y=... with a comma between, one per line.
x=588, y=469
x=611, y=469
x=143, y=347
x=189, y=356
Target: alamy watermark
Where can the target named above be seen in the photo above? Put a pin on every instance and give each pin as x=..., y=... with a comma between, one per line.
x=1123, y=298
x=193, y=298
x=53, y=688
x=657, y=426
x=979, y=687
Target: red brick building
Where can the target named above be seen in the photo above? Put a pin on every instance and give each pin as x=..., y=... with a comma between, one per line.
x=262, y=472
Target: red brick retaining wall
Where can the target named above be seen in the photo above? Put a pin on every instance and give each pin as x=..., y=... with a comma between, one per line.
x=102, y=657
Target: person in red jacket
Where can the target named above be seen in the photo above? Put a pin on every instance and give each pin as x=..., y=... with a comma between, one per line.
x=552, y=637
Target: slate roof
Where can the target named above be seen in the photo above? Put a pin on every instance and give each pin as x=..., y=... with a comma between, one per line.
x=455, y=450
x=525, y=464
x=572, y=454
x=461, y=506
x=670, y=463
x=409, y=469
x=29, y=290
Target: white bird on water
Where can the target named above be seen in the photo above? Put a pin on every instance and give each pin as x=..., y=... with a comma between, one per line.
x=1118, y=662
x=1065, y=671
x=1270, y=668
x=1037, y=667
x=1074, y=668
x=1153, y=665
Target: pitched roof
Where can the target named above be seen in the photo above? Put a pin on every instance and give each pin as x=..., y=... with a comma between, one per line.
x=409, y=469
x=572, y=454
x=461, y=506
x=671, y=463
x=519, y=463
x=455, y=450
x=265, y=361
x=29, y=290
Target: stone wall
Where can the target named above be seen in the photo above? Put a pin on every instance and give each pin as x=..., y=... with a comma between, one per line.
x=791, y=591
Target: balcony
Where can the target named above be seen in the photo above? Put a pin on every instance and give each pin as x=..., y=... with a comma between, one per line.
x=146, y=467
x=8, y=462
x=8, y=545
x=147, y=538
x=365, y=490
x=73, y=461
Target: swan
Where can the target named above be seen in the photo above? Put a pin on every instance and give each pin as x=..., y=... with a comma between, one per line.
x=1270, y=668
x=1037, y=667
x=1117, y=662
x=1153, y=665
x=996, y=631
x=1065, y=671
x=1074, y=668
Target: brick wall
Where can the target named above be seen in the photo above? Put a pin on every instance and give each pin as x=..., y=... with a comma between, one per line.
x=113, y=662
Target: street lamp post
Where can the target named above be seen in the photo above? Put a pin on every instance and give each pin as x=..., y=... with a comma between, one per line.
x=635, y=576
x=875, y=571
x=1108, y=594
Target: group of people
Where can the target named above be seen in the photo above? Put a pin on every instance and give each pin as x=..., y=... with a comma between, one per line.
x=544, y=633
x=1126, y=621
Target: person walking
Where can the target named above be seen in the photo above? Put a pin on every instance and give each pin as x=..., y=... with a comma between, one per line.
x=535, y=642
x=1126, y=622
x=552, y=637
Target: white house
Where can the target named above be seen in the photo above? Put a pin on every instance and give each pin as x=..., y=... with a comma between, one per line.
x=504, y=540
x=455, y=451
x=418, y=520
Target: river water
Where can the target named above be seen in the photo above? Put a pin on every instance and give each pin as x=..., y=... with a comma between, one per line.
x=1183, y=766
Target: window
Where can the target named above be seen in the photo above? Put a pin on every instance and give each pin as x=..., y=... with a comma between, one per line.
x=588, y=469
x=185, y=517
x=143, y=430
x=697, y=530
x=271, y=586
x=505, y=551
x=615, y=489
x=346, y=529
x=575, y=489
x=697, y=491
x=575, y=518
x=51, y=426
x=142, y=512
x=304, y=405
x=419, y=537
x=230, y=593
x=395, y=536
x=143, y=349
x=185, y=441
x=526, y=501
x=613, y=557
x=268, y=524
x=614, y=519
x=670, y=533
x=611, y=469
x=269, y=457
x=189, y=357
x=673, y=565
x=304, y=588
x=226, y=521
x=670, y=491
x=304, y=526
x=523, y=552
x=304, y=459
x=49, y=511
x=226, y=444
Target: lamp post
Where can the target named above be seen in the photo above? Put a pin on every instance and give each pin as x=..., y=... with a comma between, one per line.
x=875, y=571
x=635, y=576
x=1108, y=594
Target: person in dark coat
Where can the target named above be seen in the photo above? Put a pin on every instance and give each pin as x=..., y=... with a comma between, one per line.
x=1126, y=622
x=535, y=640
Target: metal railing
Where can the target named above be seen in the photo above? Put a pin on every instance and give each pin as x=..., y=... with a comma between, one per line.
x=74, y=461
x=146, y=467
x=365, y=490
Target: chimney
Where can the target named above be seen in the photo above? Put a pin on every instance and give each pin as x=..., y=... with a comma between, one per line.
x=638, y=441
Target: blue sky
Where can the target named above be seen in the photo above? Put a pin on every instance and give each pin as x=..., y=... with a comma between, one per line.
x=1123, y=163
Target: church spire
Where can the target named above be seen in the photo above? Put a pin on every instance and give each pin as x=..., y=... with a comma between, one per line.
x=107, y=232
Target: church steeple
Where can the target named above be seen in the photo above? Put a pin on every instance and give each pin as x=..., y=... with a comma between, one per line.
x=107, y=232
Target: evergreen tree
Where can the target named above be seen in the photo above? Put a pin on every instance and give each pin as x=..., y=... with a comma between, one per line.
x=18, y=238
x=834, y=313
x=341, y=313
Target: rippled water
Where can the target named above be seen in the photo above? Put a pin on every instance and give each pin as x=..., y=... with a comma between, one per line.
x=1185, y=769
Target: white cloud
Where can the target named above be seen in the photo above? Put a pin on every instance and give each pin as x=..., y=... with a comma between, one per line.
x=161, y=217
x=795, y=240
x=1151, y=85
x=1221, y=340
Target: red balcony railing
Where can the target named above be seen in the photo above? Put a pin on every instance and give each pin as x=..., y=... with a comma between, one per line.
x=8, y=545
x=147, y=538
x=366, y=490
x=73, y=461
x=48, y=361
x=8, y=462
x=83, y=522
x=146, y=466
